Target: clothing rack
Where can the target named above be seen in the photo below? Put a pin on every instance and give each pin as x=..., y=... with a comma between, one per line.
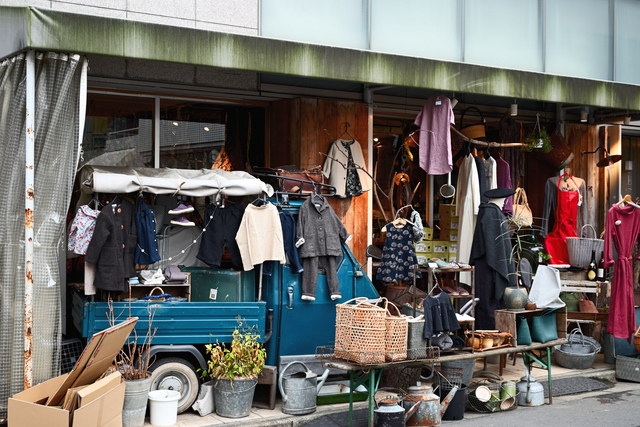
x=319, y=188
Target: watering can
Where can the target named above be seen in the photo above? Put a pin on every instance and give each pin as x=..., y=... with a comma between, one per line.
x=389, y=413
x=430, y=410
x=299, y=390
x=531, y=391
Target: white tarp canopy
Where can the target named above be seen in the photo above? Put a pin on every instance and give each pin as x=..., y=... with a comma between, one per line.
x=186, y=182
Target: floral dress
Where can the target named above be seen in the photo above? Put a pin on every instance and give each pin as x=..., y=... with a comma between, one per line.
x=398, y=256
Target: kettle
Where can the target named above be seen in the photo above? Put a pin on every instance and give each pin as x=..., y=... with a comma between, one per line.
x=389, y=413
x=431, y=410
x=531, y=391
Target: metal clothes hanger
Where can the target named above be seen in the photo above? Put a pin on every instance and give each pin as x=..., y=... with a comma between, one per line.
x=346, y=130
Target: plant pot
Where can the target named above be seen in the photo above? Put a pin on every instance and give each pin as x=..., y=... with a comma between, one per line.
x=234, y=400
x=515, y=298
x=136, y=395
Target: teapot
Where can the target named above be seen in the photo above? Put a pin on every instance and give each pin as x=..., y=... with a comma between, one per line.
x=389, y=413
x=430, y=410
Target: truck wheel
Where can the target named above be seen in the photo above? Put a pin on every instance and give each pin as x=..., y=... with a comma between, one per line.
x=174, y=373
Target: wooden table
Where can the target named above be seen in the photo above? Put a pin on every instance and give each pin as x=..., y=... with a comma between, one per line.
x=363, y=374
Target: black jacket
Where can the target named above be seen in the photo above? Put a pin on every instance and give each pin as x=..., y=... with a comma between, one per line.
x=112, y=247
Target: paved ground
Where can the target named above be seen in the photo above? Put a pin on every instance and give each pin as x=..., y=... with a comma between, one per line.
x=608, y=401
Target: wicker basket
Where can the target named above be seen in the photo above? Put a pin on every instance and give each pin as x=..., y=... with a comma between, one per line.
x=560, y=155
x=579, y=248
x=396, y=336
x=360, y=332
x=636, y=339
x=476, y=131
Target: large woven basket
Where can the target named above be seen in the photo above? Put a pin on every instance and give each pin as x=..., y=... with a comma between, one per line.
x=476, y=131
x=579, y=248
x=396, y=336
x=361, y=331
x=560, y=155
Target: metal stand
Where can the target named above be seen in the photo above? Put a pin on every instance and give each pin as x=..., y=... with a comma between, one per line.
x=355, y=381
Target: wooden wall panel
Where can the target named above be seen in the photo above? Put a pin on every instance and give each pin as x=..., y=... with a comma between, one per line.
x=303, y=128
x=585, y=138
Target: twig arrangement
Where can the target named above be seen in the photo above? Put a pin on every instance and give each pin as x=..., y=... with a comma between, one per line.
x=133, y=360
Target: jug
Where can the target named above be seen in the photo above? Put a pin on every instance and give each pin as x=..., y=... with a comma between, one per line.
x=430, y=410
x=389, y=413
x=299, y=390
x=531, y=391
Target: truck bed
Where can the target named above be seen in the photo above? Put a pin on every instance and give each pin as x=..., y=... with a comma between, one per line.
x=176, y=322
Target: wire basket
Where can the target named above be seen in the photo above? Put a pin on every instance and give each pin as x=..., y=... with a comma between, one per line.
x=423, y=353
x=496, y=403
x=448, y=377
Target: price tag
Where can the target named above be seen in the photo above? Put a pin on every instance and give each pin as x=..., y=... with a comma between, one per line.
x=213, y=294
x=432, y=265
x=438, y=101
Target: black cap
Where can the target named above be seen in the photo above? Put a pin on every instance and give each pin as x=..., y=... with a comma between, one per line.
x=499, y=193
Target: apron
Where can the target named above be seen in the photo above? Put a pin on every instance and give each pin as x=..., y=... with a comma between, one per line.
x=565, y=226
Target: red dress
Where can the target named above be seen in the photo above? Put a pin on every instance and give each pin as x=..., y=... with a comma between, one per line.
x=622, y=319
x=565, y=226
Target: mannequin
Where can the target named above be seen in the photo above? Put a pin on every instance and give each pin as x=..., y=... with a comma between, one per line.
x=491, y=256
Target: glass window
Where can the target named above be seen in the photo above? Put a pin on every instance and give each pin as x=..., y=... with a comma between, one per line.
x=193, y=134
x=118, y=131
x=329, y=22
x=579, y=38
x=627, y=41
x=422, y=28
x=504, y=33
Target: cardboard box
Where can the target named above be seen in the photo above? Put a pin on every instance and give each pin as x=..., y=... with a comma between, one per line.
x=428, y=233
x=440, y=248
x=449, y=223
x=98, y=405
x=446, y=212
x=424, y=246
x=421, y=258
x=450, y=235
x=453, y=248
x=452, y=258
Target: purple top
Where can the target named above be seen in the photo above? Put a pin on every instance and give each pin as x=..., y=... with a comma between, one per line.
x=504, y=181
x=435, y=148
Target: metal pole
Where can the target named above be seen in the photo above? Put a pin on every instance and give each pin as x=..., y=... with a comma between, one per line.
x=28, y=212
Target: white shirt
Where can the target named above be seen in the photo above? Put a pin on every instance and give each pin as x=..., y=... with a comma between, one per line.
x=467, y=206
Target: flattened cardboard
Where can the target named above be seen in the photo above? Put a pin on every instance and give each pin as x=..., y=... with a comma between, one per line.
x=106, y=411
x=96, y=358
x=90, y=393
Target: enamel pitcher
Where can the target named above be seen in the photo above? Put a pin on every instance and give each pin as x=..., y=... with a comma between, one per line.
x=430, y=411
x=299, y=390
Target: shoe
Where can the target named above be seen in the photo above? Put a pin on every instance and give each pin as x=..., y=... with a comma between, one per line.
x=463, y=266
x=461, y=290
x=183, y=221
x=441, y=264
x=307, y=298
x=464, y=318
x=449, y=290
x=335, y=297
x=181, y=209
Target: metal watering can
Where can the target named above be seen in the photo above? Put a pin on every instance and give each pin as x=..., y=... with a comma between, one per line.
x=299, y=390
x=389, y=413
x=430, y=410
x=531, y=391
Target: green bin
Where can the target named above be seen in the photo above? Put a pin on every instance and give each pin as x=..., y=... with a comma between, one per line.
x=220, y=285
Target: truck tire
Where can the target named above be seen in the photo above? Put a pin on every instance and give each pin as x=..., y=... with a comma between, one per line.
x=174, y=373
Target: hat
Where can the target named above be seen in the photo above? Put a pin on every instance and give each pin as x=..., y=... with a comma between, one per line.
x=499, y=193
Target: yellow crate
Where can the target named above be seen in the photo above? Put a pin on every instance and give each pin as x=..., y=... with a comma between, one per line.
x=446, y=211
x=440, y=248
x=450, y=235
x=453, y=248
x=452, y=257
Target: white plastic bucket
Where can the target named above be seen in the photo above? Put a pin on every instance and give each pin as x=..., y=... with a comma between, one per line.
x=163, y=406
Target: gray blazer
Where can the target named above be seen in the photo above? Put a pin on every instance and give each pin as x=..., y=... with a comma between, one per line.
x=319, y=229
x=112, y=247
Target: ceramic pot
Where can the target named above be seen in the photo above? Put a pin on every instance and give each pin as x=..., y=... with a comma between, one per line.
x=515, y=298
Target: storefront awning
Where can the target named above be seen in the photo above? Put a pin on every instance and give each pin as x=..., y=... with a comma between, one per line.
x=186, y=182
x=43, y=29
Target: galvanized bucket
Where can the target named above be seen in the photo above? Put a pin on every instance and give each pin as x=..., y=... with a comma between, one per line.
x=299, y=390
x=234, y=400
x=136, y=395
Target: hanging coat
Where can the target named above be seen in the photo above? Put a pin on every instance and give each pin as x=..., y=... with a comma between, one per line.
x=468, y=202
x=147, y=247
x=622, y=227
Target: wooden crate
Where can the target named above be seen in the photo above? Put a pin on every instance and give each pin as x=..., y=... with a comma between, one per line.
x=506, y=321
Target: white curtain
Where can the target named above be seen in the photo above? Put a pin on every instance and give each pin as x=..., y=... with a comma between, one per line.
x=60, y=97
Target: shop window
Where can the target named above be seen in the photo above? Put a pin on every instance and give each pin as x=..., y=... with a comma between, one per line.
x=118, y=131
x=197, y=135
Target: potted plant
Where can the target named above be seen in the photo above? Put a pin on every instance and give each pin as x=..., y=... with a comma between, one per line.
x=538, y=139
x=133, y=363
x=234, y=371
